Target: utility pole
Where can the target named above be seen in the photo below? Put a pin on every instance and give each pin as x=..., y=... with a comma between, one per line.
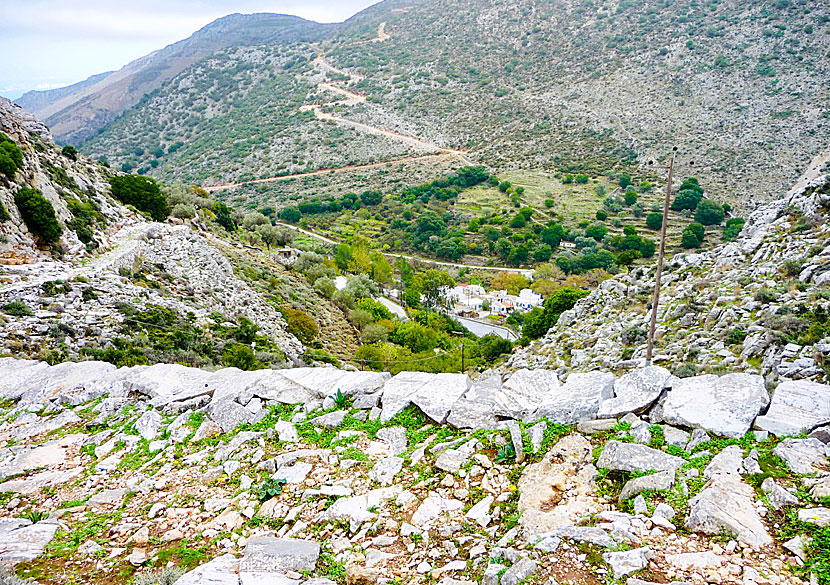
x=461, y=335
x=660, y=259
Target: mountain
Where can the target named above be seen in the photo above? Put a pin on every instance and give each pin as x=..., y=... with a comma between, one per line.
x=77, y=112
x=739, y=86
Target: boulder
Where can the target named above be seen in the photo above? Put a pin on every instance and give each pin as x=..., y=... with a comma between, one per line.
x=166, y=383
x=324, y=382
x=229, y=414
x=817, y=516
x=635, y=391
x=626, y=562
x=802, y=456
x=725, y=405
x=632, y=457
x=797, y=407
x=399, y=390
x=148, y=424
x=475, y=410
x=524, y=391
x=560, y=490
x=578, y=399
x=385, y=470
x=220, y=571
x=660, y=481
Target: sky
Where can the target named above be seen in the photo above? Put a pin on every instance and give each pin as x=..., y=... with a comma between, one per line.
x=53, y=43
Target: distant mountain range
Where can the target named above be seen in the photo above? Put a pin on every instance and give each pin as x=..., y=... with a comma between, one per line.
x=741, y=86
x=76, y=112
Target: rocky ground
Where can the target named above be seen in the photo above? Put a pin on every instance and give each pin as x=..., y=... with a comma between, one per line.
x=283, y=476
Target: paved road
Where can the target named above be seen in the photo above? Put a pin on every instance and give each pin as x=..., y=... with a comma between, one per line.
x=480, y=329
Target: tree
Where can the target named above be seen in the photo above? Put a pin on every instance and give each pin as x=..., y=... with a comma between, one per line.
x=686, y=199
x=518, y=222
x=512, y=282
x=224, y=216
x=544, y=287
x=240, y=356
x=549, y=203
x=596, y=231
x=630, y=198
x=519, y=255
x=430, y=285
x=504, y=186
x=38, y=214
x=143, y=193
x=11, y=157
x=625, y=180
x=270, y=234
x=628, y=257
x=492, y=347
x=654, y=221
x=343, y=256
x=709, y=213
x=698, y=230
x=542, y=253
x=602, y=215
x=415, y=336
x=70, y=152
x=300, y=325
x=381, y=269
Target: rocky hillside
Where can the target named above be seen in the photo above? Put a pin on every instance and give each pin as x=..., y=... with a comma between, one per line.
x=740, y=86
x=323, y=476
x=756, y=305
x=129, y=277
x=77, y=112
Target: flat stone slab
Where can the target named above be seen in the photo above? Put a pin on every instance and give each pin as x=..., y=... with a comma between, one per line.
x=475, y=410
x=435, y=398
x=324, y=382
x=817, y=516
x=660, y=481
x=578, y=399
x=22, y=541
x=797, y=406
x=635, y=391
x=166, y=383
x=36, y=482
x=633, y=457
x=525, y=390
x=278, y=555
x=399, y=391
x=726, y=405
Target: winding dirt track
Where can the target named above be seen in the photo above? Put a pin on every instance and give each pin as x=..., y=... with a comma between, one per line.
x=349, y=99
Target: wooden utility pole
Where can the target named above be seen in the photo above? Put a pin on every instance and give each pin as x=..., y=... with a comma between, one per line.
x=660, y=261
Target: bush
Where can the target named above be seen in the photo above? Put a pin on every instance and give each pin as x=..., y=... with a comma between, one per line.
x=4, y=213
x=549, y=203
x=70, y=152
x=709, y=213
x=143, y=193
x=38, y=214
x=223, y=216
x=686, y=199
x=166, y=576
x=698, y=230
x=689, y=239
x=183, y=211
x=492, y=347
x=300, y=325
x=240, y=356
x=733, y=227
x=654, y=221
x=625, y=180
x=602, y=215
x=17, y=309
x=325, y=286
x=538, y=321
x=630, y=198
x=11, y=157
x=374, y=333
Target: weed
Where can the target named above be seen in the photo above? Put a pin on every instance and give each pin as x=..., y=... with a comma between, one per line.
x=271, y=488
x=506, y=454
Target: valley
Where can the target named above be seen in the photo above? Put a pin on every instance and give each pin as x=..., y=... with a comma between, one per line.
x=370, y=302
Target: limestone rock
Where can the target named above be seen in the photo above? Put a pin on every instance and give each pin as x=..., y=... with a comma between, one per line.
x=635, y=391
x=578, y=399
x=817, y=516
x=148, y=425
x=385, y=470
x=660, y=481
x=269, y=554
x=436, y=397
x=726, y=405
x=626, y=562
x=222, y=570
x=797, y=406
x=631, y=457
x=802, y=456
x=20, y=540
x=560, y=490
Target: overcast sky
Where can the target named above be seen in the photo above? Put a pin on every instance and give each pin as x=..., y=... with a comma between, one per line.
x=52, y=43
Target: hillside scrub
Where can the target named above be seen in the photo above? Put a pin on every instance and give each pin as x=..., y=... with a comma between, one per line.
x=38, y=214
x=11, y=157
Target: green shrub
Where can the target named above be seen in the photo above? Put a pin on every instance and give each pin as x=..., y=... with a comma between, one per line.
x=11, y=157
x=602, y=215
x=17, y=309
x=689, y=239
x=4, y=213
x=300, y=325
x=143, y=193
x=70, y=152
x=38, y=214
x=733, y=227
x=654, y=221
x=709, y=213
x=240, y=356
x=698, y=230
